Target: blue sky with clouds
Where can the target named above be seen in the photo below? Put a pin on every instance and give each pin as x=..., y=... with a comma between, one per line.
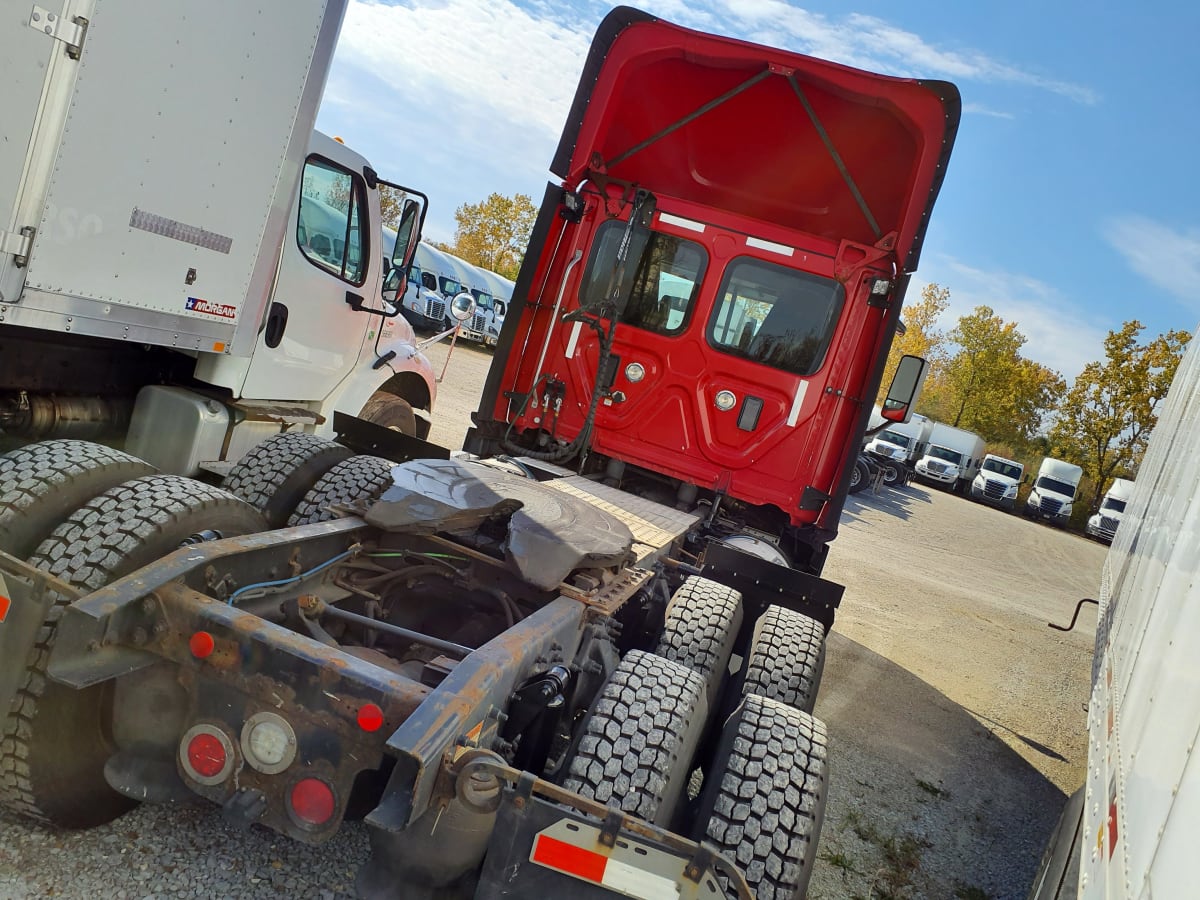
x=1072, y=201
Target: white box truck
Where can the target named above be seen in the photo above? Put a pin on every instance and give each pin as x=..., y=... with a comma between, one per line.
x=1130, y=831
x=952, y=458
x=998, y=481
x=1053, y=491
x=185, y=265
x=898, y=446
x=1103, y=525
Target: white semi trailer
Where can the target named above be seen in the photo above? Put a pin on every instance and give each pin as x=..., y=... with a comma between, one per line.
x=1130, y=831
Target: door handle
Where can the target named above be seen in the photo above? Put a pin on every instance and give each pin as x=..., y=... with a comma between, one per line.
x=276, y=323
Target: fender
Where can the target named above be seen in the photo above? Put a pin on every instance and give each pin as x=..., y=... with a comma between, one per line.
x=364, y=380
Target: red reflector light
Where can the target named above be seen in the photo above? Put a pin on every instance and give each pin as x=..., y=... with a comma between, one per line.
x=202, y=645
x=370, y=717
x=312, y=801
x=206, y=754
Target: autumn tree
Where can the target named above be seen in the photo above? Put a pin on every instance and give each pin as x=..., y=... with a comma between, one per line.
x=987, y=386
x=1105, y=420
x=493, y=234
x=921, y=336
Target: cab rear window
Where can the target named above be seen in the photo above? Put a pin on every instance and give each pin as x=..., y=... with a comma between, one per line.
x=770, y=314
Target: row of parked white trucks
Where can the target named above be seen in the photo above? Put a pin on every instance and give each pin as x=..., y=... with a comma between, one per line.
x=954, y=459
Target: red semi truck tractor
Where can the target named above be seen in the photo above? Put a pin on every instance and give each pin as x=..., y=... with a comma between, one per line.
x=709, y=295
x=582, y=663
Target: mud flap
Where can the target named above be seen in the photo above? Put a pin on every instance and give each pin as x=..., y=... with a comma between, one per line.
x=25, y=596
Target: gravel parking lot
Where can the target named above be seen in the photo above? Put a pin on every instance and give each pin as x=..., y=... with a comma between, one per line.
x=956, y=720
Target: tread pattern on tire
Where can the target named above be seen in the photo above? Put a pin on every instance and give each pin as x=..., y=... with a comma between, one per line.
x=786, y=658
x=352, y=480
x=276, y=474
x=639, y=738
x=43, y=483
x=89, y=549
x=768, y=803
x=701, y=626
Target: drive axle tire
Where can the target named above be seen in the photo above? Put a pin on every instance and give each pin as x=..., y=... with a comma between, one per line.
x=860, y=477
x=786, y=658
x=55, y=739
x=893, y=474
x=639, y=738
x=765, y=803
x=701, y=626
x=359, y=478
x=275, y=475
x=44, y=483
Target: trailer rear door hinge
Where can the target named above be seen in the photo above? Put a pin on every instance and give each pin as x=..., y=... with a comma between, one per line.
x=70, y=31
x=18, y=244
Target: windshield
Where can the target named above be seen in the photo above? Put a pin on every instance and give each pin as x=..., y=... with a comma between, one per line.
x=1112, y=503
x=774, y=315
x=1047, y=483
x=1007, y=469
x=450, y=287
x=895, y=437
x=950, y=456
x=482, y=299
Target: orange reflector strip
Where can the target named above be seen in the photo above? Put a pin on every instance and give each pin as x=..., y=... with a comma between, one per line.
x=218, y=347
x=556, y=854
x=5, y=603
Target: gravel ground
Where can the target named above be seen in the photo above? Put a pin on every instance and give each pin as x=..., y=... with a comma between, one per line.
x=956, y=721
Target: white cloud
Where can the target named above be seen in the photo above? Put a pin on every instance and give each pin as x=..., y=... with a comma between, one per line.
x=976, y=109
x=1059, y=334
x=1166, y=257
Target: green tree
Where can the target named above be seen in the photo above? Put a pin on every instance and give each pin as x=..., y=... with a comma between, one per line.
x=987, y=386
x=921, y=336
x=1105, y=420
x=493, y=234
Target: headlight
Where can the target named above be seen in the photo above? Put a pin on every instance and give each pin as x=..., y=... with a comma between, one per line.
x=1066, y=509
x=1010, y=492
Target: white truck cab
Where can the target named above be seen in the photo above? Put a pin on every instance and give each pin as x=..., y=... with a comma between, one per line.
x=952, y=458
x=998, y=481
x=1053, y=491
x=1103, y=525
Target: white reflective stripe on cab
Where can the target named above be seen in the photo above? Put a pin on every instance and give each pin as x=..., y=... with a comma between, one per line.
x=575, y=329
x=797, y=402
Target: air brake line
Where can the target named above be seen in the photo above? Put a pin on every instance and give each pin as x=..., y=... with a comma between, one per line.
x=836, y=157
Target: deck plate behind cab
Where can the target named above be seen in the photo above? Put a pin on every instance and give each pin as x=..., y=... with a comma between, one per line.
x=550, y=533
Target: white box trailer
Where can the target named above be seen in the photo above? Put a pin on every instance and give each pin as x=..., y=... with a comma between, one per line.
x=177, y=245
x=1130, y=832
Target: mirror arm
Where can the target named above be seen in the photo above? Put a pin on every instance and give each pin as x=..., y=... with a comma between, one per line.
x=356, y=303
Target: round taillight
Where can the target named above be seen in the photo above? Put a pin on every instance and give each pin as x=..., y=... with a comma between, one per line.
x=635, y=372
x=311, y=802
x=370, y=717
x=206, y=754
x=268, y=743
x=202, y=644
x=725, y=400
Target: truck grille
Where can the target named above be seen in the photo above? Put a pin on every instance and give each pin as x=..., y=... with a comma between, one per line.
x=478, y=323
x=936, y=467
x=435, y=308
x=1108, y=526
x=993, y=490
x=1051, y=507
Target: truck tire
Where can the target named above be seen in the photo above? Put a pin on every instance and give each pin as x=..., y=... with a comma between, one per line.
x=47, y=481
x=274, y=476
x=639, y=738
x=390, y=411
x=702, y=624
x=786, y=658
x=55, y=739
x=860, y=477
x=352, y=480
x=765, y=803
x=893, y=474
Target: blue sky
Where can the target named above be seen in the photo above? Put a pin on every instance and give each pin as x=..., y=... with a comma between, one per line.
x=1072, y=201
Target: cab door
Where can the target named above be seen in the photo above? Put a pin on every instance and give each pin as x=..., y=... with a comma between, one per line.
x=313, y=335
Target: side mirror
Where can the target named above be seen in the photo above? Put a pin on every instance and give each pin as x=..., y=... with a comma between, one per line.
x=410, y=222
x=905, y=389
x=462, y=307
x=612, y=288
